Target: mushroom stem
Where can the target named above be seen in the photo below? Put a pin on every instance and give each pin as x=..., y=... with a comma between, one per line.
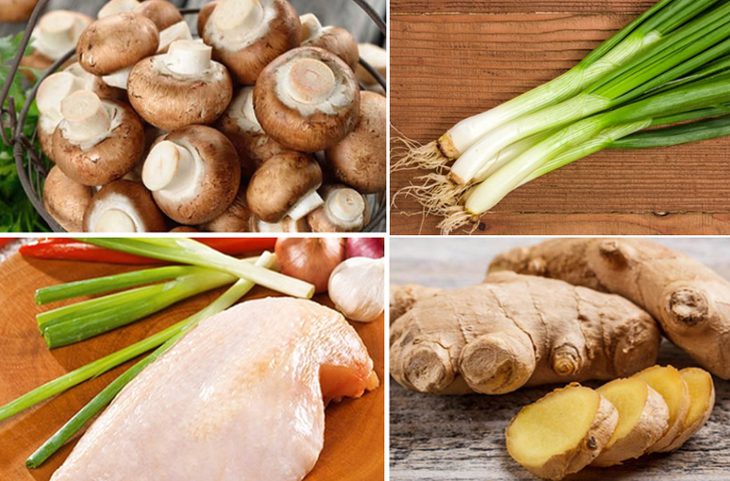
x=345, y=207
x=85, y=115
x=188, y=57
x=56, y=33
x=305, y=205
x=114, y=7
x=53, y=90
x=115, y=220
x=118, y=79
x=311, y=26
x=168, y=166
x=235, y=18
x=310, y=81
x=173, y=33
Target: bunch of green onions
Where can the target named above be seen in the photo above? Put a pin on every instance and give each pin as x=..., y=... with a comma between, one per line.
x=663, y=80
x=149, y=291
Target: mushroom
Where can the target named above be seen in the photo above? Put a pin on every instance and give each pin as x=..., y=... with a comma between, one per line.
x=176, y=31
x=307, y=99
x=51, y=92
x=246, y=35
x=184, y=228
x=239, y=124
x=55, y=35
x=334, y=39
x=193, y=173
x=163, y=13
x=287, y=224
x=376, y=57
x=236, y=218
x=66, y=200
x=16, y=10
x=181, y=87
x=111, y=46
x=115, y=7
x=95, y=83
x=359, y=160
x=123, y=206
x=344, y=210
x=286, y=185
x=97, y=141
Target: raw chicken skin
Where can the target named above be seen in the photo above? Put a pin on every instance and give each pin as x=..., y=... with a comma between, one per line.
x=238, y=398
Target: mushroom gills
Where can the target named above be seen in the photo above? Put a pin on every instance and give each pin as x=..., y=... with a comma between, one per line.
x=87, y=120
x=306, y=204
x=174, y=169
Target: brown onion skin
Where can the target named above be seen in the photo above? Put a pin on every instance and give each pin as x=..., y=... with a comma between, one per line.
x=310, y=259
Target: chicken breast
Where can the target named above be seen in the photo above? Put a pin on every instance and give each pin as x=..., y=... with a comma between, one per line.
x=241, y=397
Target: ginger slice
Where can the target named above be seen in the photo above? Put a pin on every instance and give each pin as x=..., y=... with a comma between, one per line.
x=668, y=382
x=562, y=432
x=701, y=402
x=643, y=418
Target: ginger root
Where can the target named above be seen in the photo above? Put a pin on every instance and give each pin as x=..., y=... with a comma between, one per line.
x=701, y=401
x=643, y=418
x=562, y=432
x=668, y=382
x=402, y=298
x=690, y=300
x=518, y=330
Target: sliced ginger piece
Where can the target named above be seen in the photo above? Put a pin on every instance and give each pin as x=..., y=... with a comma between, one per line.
x=668, y=382
x=562, y=432
x=643, y=418
x=701, y=402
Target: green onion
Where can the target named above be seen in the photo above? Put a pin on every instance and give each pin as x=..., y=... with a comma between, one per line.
x=680, y=134
x=101, y=400
x=189, y=251
x=105, y=284
x=100, y=366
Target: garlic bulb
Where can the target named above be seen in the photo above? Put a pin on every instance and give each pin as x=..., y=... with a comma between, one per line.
x=356, y=288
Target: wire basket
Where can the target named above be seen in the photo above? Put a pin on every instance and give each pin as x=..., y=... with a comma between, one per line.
x=33, y=167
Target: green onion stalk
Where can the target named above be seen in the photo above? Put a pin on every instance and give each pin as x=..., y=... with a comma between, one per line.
x=100, y=366
x=164, y=343
x=681, y=102
x=189, y=251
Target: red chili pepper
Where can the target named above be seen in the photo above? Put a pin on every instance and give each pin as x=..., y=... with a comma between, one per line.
x=73, y=250
x=7, y=240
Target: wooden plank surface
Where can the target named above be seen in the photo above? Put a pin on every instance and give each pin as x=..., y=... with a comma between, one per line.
x=461, y=438
x=450, y=60
x=26, y=362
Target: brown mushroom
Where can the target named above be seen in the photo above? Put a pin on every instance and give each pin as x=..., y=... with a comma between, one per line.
x=307, y=99
x=117, y=42
x=181, y=87
x=193, y=173
x=115, y=7
x=123, y=206
x=239, y=124
x=184, y=228
x=66, y=200
x=164, y=14
x=16, y=10
x=51, y=92
x=285, y=185
x=97, y=141
x=344, y=210
x=236, y=218
x=376, y=57
x=359, y=160
x=246, y=35
x=55, y=35
x=95, y=83
x=334, y=39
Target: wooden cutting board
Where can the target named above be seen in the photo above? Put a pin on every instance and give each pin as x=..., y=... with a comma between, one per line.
x=453, y=59
x=354, y=436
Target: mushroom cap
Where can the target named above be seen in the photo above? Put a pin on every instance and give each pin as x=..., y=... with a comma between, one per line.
x=236, y=218
x=351, y=201
x=184, y=228
x=220, y=180
x=116, y=42
x=132, y=199
x=66, y=200
x=307, y=127
x=338, y=41
x=162, y=13
x=16, y=10
x=170, y=101
x=247, y=62
x=278, y=184
x=359, y=160
x=108, y=160
x=239, y=124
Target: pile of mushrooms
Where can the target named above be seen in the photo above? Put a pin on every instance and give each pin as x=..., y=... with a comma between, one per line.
x=260, y=124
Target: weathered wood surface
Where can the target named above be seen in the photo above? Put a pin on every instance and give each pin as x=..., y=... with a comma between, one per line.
x=450, y=60
x=462, y=438
x=26, y=362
